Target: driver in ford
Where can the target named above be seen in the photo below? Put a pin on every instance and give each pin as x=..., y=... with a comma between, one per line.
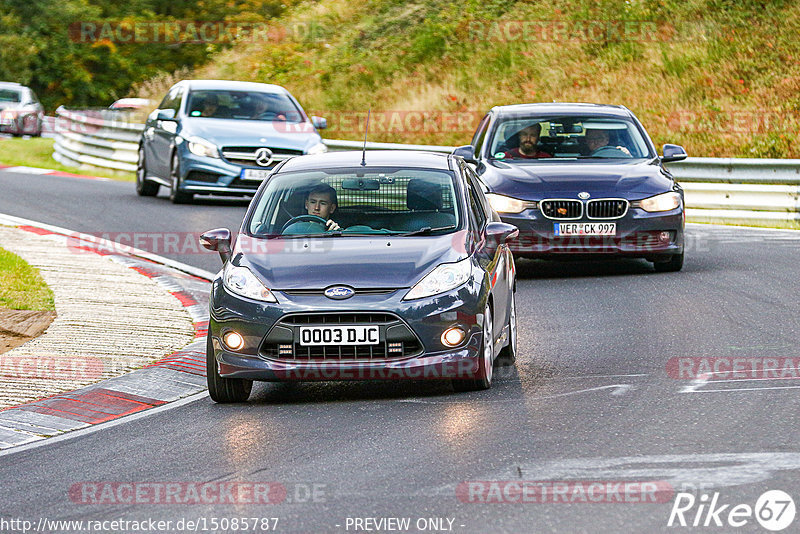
x=321, y=202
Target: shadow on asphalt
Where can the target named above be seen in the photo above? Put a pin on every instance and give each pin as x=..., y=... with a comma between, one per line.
x=542, y=269
x=207, y=201
x=506, y=379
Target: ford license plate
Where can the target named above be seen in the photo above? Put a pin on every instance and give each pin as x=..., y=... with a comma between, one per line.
x=339, y=335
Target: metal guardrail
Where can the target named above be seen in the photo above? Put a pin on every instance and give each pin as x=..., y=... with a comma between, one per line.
x=727, y=189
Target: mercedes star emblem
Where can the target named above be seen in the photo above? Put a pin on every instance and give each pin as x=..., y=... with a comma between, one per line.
x=263, y=157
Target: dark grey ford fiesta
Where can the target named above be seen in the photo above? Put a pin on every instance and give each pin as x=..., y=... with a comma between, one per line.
x=388, y=268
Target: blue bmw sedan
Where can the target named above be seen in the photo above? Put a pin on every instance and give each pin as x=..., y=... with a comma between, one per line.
x=388, y=268
x=221, y=137
x=580, y=181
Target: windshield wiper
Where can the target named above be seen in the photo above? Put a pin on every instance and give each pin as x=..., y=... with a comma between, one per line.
x=335, y=233
x=425, y=230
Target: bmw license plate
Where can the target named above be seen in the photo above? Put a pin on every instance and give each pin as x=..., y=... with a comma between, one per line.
x=255, y=174
x=339, y=335
x=568, y=229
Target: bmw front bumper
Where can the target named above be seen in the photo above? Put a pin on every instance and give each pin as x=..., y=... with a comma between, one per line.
x=639, y=234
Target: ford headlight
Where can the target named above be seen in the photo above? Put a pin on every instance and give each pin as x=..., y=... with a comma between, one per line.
x=663, y=202
x=241, y=281
x=443, y=278
x=200, y=147
x=504, y=204
x=319, y=148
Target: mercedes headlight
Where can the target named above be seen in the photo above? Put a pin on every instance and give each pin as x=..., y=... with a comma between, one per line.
x=200, y=147
x=241, y=281
x=443, y=278
x=663, y=202
x=504, y=204
x=319, y=148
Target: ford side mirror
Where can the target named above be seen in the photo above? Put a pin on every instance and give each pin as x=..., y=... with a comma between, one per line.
x=467, y=152
x=498, y=233
x=218, y=240
x=320, y=123
x=673, y=153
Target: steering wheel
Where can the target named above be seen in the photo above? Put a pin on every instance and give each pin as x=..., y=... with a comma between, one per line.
x=304, y=218
x=270, y=116
x=609, y=151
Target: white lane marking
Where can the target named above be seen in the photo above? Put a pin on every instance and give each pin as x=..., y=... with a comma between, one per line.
x=619, y=389
x=706, y=378
x=698, y=382
x=729, y=390
x=680, y=470
x=594, y=376
x=104, y=426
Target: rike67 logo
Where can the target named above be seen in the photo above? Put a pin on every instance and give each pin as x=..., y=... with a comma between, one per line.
x=774, y=510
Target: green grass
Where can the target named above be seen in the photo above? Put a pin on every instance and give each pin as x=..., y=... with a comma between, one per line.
x=21, y=286
x=720, y=77
x=38, y=152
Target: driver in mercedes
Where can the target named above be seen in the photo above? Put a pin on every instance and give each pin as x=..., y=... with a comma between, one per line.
x=321, y=202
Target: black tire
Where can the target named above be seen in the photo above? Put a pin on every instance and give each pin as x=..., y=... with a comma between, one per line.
x=674, y=264
x=175, y=194
x=144, y=187
x=483, y=380
x=224, y=390
x=508, y=354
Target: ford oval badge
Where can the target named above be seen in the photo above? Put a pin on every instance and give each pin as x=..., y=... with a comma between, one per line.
x=339, y=292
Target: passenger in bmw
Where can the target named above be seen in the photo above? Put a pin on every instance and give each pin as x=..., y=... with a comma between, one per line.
x=528, y=141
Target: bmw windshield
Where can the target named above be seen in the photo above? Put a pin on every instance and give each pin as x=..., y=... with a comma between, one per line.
x=344, y=202
x=544, y=139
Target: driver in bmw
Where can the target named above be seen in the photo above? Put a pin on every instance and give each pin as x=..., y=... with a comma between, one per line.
x=321, y=202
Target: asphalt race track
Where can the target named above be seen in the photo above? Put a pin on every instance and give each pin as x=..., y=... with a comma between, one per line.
x=597, y=395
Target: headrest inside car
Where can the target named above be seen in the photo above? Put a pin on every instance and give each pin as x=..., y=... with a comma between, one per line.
x=424, y=196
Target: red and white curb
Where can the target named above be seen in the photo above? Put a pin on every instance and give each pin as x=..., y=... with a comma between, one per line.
x=176, y=376
x=22, y=169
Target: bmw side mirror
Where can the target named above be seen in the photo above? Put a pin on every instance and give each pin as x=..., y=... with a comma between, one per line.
x=467, y=152
x=498, y=233
x=218, y=240
x=673, y=153
x=320, y=123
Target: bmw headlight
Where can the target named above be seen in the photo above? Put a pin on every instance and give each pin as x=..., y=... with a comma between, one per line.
x=241, y=281
x=200, y=147
x=504, y=204
x=319, y=148
x=443, y=278
x=663, y=202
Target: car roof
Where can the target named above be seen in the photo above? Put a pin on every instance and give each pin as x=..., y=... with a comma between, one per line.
x=374, y=158
x=11, y=85
x=562, y=108
x=229, y=85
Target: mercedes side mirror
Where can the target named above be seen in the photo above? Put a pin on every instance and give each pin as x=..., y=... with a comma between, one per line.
x=320, y=123
x=673, y=153
x=218, y=240
x=467, y=152
x=165, y=115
